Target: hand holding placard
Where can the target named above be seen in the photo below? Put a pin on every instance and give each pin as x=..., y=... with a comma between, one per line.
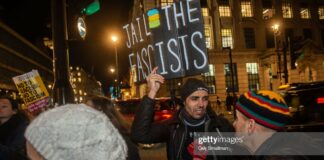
x=154, y=82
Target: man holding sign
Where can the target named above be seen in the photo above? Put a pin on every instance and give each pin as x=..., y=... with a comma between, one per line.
x=179, y=131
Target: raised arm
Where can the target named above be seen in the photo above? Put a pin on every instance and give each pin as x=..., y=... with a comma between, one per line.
x=143, y=128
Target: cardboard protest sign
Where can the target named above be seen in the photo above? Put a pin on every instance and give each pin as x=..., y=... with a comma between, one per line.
x=171, y=37
x=32, y=90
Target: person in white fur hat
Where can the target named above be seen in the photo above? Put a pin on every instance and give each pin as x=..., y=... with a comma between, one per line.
x=74, y=132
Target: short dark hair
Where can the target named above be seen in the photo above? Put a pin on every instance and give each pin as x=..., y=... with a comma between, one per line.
x=192, y=85
x=13, y=102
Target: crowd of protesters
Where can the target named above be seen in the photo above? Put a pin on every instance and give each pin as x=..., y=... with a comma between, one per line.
x=97, y=131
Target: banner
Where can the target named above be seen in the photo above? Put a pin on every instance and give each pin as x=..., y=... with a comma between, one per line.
x=172, y=38
x=32, y=90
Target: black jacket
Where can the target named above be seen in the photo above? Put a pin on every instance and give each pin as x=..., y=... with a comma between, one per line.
x=12, y=141
x=132, y=152
x=172, y=132
x=289, y=146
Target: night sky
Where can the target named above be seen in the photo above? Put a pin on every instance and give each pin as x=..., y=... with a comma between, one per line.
x=96, y=54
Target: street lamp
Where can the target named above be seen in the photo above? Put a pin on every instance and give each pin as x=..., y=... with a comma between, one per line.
x=276, y=33
x=115, y=39
x=112, y=70
x=232, y=74
x=231, y=67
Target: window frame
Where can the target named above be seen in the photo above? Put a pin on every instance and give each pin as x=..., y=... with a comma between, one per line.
x=321, y=12
x=210, y=80
x=252, y=70
x=166, y=2
x=289, y=13
x=249, y=37
x=227, y=40
x=224, y=11
x=247, y=5
x=306, y=14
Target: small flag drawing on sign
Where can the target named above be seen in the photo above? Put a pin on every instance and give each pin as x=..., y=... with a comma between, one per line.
x=153, y=18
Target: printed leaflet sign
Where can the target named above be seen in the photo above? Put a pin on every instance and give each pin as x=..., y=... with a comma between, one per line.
x=32, y=90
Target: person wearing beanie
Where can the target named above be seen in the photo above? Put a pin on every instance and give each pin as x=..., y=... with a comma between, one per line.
x=261, y=118
x=195, y=116
x=74, y=132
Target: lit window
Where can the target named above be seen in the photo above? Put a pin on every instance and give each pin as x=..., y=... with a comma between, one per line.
x=224, y=11
x=208, y=35
x=79, y=79
x=205, y=12
x=287, y=10
x=79, y=74
x=253, y=76
x=246, y=8
x=268, y=13
x=252, y=68
x=207, y=27
x=227, y=39
x=209, y=79
x=166, y=2
x=321, y=12
x=211, y=70
x=267, y=10
x=305, y=13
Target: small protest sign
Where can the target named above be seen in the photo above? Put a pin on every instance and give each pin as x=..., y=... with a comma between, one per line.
x=32, y=90
x=172, y=38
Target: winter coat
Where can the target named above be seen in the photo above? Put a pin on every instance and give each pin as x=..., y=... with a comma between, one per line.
x=288, y=146
x=12, y=140
x=173, y=131
x=132, y=152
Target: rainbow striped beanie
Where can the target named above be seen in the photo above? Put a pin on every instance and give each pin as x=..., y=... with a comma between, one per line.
x=267, y=108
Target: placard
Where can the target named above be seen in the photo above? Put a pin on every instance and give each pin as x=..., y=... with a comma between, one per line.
x=172, y=38
x=32, y=90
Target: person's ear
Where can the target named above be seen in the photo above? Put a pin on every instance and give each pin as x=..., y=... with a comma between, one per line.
x=251, y=126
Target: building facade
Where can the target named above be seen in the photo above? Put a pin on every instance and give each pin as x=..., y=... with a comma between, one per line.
x=19, y=56
x=84, y=85
x=263, y=37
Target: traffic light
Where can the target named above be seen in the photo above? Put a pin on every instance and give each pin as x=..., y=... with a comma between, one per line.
x=84, y=7
x=296, y=46
x=77, y=12
x=91, y=8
